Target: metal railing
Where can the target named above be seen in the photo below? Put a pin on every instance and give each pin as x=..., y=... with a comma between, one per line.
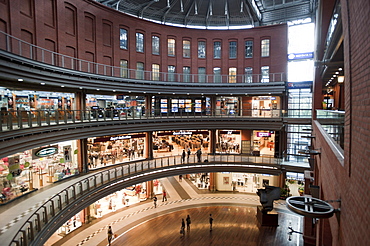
x=19, y=47
x=332, y=121
x=49, y=215
x=19, y=119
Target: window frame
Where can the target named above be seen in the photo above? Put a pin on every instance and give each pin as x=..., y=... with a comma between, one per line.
x=233, y=50
x=202, y=49
x=139, y=42
x=123, y=42
x=171, y=47
x=154, y=44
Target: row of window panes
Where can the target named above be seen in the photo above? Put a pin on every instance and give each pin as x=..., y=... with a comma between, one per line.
x=265, y=46
x=248, y=72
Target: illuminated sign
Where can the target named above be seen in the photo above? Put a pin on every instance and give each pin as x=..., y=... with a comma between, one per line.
x=46, y=152
x=297, y=56
x=182, y=133
x=263, y=134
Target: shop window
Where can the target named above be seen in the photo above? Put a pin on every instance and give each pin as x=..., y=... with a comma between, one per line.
x=139, y=42
x=232, y=75
x=217, y=75
x=186, y=48
x=217, y=50
x=171, y=73
x=155, y=72
x=248, y=77
x=201, y=49
x=139, y=70
x=248, y=49
x=186, y=74
x=201, y=74
x=124, y=68
x=123, y=38
x=155, y=45
x=171, y=47
x=265, y=74
x=265, y=48
x=232, y=49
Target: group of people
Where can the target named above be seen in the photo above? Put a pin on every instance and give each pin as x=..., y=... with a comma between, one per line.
x=188, y=222
x=188, y=153
x=164, y=198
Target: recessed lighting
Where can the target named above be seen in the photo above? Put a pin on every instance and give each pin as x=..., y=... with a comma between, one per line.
x=340, y=69
x=174, y=93
x=187, y=94
x=114, y=90
x=80, y=88
x=336, y=72
x=62, y=86
x=42, y=83
x=20, y=80
x=144, y=92
x=129, y=91
x=98, y=89
x=159, y=93
x=334, y=75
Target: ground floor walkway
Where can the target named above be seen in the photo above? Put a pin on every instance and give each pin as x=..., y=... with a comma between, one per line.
x=233, y=213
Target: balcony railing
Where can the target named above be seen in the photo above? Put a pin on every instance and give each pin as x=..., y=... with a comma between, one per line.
x=50, y=215
x=19, y=47
x=18, y=119
x=333, y=123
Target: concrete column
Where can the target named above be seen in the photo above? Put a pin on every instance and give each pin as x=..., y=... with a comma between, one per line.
x=82, y=158
x=212, y=141
x=148, y=151
x=212, y=182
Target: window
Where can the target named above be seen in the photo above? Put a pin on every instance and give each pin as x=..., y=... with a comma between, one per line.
x=123, y=38
x=139, y=70
x=265, y=71
x=139, y=42
x=265, y=47
x=124, y=68
x=217, y=75
x=155, y=71
x=201, y=74
x=186, y=48
x=248, y=49
x=201, y=49
x=186, y=74
x=232, y=49
x=155, y=45
x=217, y=50
x=171, y=73
x=232, y=75
x=248, y=71
x=171, y=47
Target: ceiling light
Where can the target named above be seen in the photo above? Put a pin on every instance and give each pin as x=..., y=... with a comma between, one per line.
x=114, y=90
x=80, y=88
x=62, y=86
x=98, y=89
x=336, y=72
x=20, y=80
x=340, y=79
x=340, y=69
x=42, y=83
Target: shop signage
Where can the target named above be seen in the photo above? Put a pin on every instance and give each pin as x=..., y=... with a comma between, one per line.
x=118, y=138
x=297, y=56
x=299, y=85
x=263, y=134
x=182, y=133
x=229, y=132
x=52, y=150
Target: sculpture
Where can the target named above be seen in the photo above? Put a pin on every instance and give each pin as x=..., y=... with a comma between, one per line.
x=267, y=197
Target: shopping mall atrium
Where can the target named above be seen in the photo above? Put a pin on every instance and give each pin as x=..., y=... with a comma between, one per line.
x=248, y=118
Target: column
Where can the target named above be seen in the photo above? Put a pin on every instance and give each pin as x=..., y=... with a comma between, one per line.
x=149, y=189
x=80, y=104
x=212, y=182
x=148, y=151
x=212, y=141
x=82, y=159
x=148, y=105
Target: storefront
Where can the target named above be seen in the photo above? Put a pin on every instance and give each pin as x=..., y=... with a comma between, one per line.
x=109, y=150
x=266, y=106
x=35, y=168
x=228, y=105
x=180, y=106
x=263, y=142
x=229, y=141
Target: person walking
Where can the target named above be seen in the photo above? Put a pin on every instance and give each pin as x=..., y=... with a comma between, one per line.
x=188, y=222
x=210, y=222
x=183, y=156
x=164, y=196
x=199, y=155
x=155, y=201
x=189, y=153
x=110, y=234
x=182, y=230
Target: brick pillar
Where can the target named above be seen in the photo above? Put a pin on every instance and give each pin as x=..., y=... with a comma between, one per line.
x=212, y=141
x=148, y=150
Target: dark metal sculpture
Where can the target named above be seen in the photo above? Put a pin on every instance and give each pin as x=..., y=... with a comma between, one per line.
x=267, y=197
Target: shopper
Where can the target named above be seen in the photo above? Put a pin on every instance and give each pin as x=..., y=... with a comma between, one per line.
x=210, y=222
x=180, y=178
x=188, y=222
x=164, y=196
x=199, y=155
x=182, y=230
x=189, y=153
x=183, y=156
x=110, y=234
x=155, y=201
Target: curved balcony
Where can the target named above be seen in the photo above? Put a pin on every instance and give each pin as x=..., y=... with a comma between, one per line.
x=40, y=67
x=85, y=190
x=26, y=129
